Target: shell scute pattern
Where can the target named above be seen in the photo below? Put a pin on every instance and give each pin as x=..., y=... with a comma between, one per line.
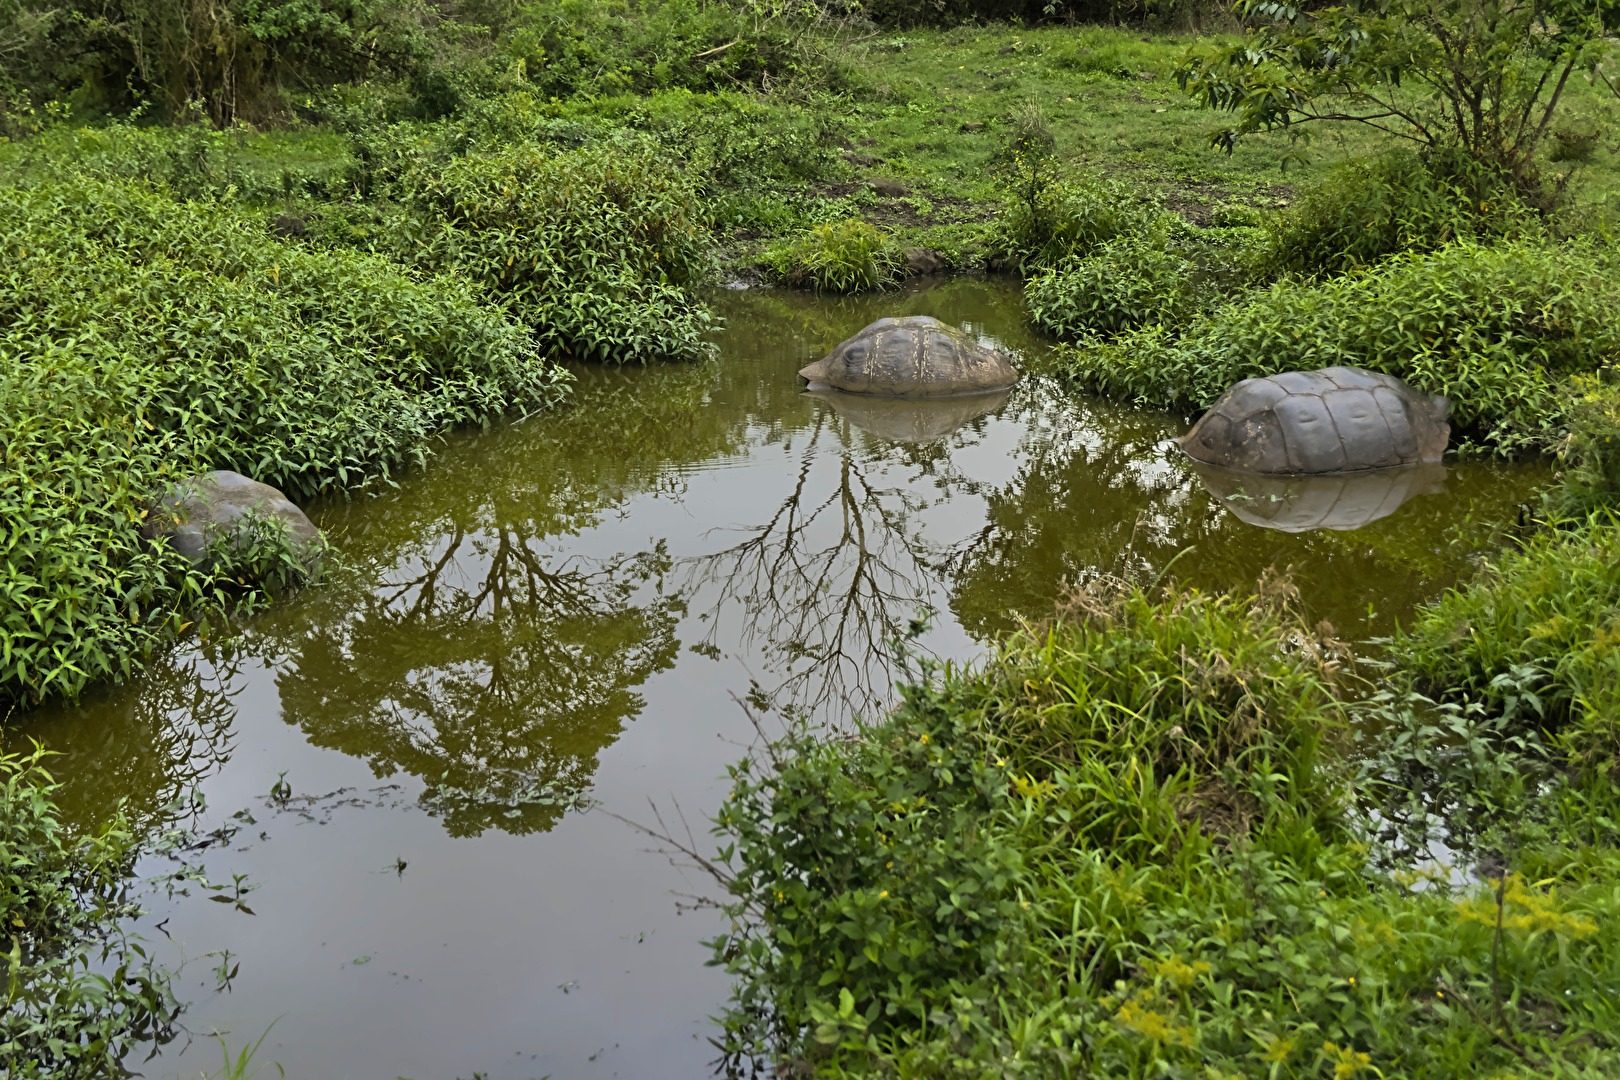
x=914, y=356
x=1338, y=419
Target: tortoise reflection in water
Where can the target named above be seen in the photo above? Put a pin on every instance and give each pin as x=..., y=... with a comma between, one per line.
x=1297, y=504
x=910, y=420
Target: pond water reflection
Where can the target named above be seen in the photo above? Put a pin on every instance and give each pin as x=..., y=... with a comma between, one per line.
x=566, y=608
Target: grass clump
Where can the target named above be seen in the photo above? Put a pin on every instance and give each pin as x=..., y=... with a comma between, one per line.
x=1536, y=638
x=78, y=995
x=1125, y=847
x=1497, y=329
x=840, y=257
x=142, y=341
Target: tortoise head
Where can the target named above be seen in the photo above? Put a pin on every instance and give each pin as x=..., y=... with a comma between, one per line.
x=1440, y=406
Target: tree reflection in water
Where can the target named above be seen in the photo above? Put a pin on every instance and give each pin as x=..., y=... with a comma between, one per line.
x=825, y=586
x=470, y=651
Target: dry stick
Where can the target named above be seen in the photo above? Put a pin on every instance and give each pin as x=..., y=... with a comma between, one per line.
x=718, y=49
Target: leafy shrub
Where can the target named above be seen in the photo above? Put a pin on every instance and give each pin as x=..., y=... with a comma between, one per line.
x=1120, y=849
x=1536, y=636
x=1074, y=216
x=1496, y=329
x=1397, y=201
x=843, y=257
x=1127, y=283
x=593, y=248
x=603, y=47
x=1592, y=453
x=78, y=995
x=143, y=340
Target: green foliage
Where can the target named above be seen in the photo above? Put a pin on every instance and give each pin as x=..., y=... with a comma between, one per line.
x=1122, y=849
x=1398, y=201
x=1592, y=454
x=142, y=341
x=1496, y=329
x=1052, y=220
x=842, y=257
x=1126, y=283
x=78, y=994
x=593, y=248
x=1536, y=637
x=605, y=47
x=226, y=59
x=1479, y=77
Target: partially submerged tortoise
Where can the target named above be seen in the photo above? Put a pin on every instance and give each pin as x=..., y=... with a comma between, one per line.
x=914, y=356
x=1338, y=419
x=222, y=505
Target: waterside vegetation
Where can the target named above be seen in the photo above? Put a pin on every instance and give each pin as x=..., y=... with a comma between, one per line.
x=1158, y=834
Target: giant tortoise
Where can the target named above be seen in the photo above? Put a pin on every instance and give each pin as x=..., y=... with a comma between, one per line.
x=914, y=356
x=1338, y=419
x=220, y=505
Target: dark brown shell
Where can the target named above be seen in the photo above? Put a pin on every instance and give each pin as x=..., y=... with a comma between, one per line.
x=1338, y=419
x=915, y=356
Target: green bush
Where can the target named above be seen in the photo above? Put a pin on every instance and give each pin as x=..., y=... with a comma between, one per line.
x=1122, y=848
x=1497, y=329
x=1073, y=217
x=1536, y=636
x=1395, y=202
x=78, y=995
x=842, y=257
x=1127, y=283
x=594, y=248
x=588, y=48
x=142, y=340
x=1592, y=454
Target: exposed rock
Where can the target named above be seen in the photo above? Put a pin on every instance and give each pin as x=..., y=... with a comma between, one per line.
x=971, y=127
x=201, y=510
x=916, y=356
x=1338, y=419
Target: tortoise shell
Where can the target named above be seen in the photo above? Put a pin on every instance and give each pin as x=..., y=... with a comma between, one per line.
x=1338, y=419
x=915, y=356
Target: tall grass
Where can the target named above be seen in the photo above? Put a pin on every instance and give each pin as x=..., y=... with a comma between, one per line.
x=1125, y=848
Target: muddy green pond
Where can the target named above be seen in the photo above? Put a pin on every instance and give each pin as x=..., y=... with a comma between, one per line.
x=556, y=621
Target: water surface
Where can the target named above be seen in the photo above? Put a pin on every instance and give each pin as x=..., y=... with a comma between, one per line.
x=574, y=609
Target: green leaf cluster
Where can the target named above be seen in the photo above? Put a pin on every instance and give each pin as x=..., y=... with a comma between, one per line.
x=1365, y=210
x=595, y=249
x=1129, y=846
x=1536, y=638
x=144, y=340
x=78, y=994
x=1499, y=330
x=840, y=257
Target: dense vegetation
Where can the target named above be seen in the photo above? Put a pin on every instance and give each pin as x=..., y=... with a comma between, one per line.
x=301, y=238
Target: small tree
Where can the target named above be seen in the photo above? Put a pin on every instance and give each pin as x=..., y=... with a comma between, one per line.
x=1484, y=77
